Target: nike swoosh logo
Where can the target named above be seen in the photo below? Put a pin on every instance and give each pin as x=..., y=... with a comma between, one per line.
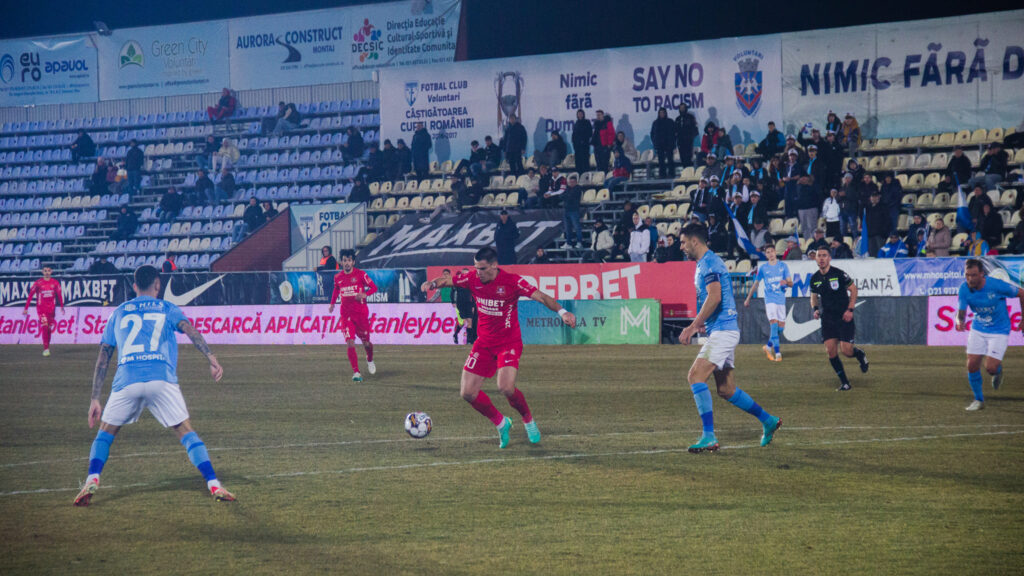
x=796, y=331
x=187, y=297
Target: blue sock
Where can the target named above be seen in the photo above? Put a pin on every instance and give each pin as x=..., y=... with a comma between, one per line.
x=100, y=451
x=974, y=379
x=198, y=456
x=702, y=397
x=775, y=337
x=743, y=401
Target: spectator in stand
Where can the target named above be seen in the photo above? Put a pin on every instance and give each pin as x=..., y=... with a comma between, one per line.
x=670, y=251
x=892, y=198
x=978, y=200
x=556, y=187
x=840, y=250
x=204, y=159
x=833, y=123
x=582, y=133
x=391, y=161
x=477, y=161
x=228, y=155
x=815, y=138
x=686, y=133
x=288, y=118
x=571, y=215
x=225, y=187
x=809, y=197
x=204, y=189
x=360, y=192
x=652, y=229
x=940, y=239
x=831, y=152
x=724, y=143
x=626, y=147
x=374, y=170
x=711, y=166
x=421, y=145
x=225, y=107
x=515, y=144
x=127, y=222
x=601, y=242
x=252, y=219
x=959, y=167
x=917, y=224
x=492, y=158
x=994, y=164
x=771, y=185
x=728, y=169
x=620, y=251
x=113, y=183
x=867, y=189
x=718, y=235
x=772, y=144
x=754, y=211
x=327, y=260
x=793, y=251
x=171, y=204
x=505, y=237
x=990, y=226
x=759, y=236
x=663, y=136
x=819, y=242
x=791, y=174
x=98, y=180
x=403, y=159
x=133, y=161
x=541, y=257
x=639, y=240
x=831, y=211
x=878, y=223
x=554, y=151
x=622, y=170
x=708, y=142
x=946, y=184
x=700, y=200
x=102, y=266
x=603, y=140
x=531, y=185
x=975, y=246
x=82, y=147
x=269, y=212
x=849, y=136
x=736, y=186
x=449, y=206
x=352, y=149
x=1016, y=243
x=170, y=265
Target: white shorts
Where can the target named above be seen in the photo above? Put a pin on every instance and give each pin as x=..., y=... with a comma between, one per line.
x=775, y=312
x=163, y=399
x=720, y=348
x=991, y=345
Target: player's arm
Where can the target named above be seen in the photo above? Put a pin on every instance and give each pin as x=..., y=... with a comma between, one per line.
x=31, y=294
x=439, y=282
x=753, y=290
x=568, y=317
x=814, y=305
x=199, y=342
x=710, y=304
x=369, y=288
x=334, y=298
x=60, y=297
x=99, y=376
x=848, y=314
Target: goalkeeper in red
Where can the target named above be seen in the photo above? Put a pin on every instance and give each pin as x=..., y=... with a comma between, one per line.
x=499, y=343
x=47, y=293
x=353, y=286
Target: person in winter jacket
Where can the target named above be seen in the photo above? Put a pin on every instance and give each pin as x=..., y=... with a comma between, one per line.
x=709, y=141
x=994, y=165
x=554, y=151
x=833, y=123
x=877, y=223
x=603, y=140
x=515, y=144
x=582, y=133
x=639, y=240
x=663, y=136
x=959, y=167
x=772, y=143
x=892, y=198
x=626, y=147
x=686, y=133
x=505, y=237
x=601, y=242
x=940, y=239
x=421, y=145
x=830, y=210
x=849, y=136
x=227, y=155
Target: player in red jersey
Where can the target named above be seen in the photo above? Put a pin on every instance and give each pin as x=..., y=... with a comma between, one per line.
x=353, y=286
x=499, y=342
x=47, y=290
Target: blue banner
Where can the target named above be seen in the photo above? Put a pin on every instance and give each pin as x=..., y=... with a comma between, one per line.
x=944, y=276
x=48, y=71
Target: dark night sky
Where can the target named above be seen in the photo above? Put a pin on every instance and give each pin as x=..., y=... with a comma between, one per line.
x=500, y=28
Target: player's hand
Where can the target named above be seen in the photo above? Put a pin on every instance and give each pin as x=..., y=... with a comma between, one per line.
x=570, y=319
x=425, y=287
x=361, y=296
x=960, y=326
x=847, y=316
x=330, y=309
x=746, y=303
x=95, y=411
x=687, y=334
x=817, y=314
x=216, y=370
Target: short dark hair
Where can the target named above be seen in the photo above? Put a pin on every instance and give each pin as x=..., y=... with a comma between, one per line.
x=486, y=254
x=976, y=264
x=694, y=230
x=145, y=276
x=348, y=254
x=448, y=270
x=322, y=247
x=474, y=143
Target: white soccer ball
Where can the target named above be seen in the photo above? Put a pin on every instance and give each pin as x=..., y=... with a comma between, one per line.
x=417, y=424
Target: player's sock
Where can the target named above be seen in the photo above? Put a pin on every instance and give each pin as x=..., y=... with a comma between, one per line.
x=482, y=404
x=353, y=359
x=198, y=455
x=974, y=379
x=369, y=351
x=858, y=354
x=702, y=397
x=775, y=337
x=100, y=452
x=46, y=336
x=518, y=401
x=837, y=365
x=743, y=401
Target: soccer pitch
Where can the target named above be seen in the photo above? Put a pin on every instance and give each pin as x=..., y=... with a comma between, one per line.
x=893, y=477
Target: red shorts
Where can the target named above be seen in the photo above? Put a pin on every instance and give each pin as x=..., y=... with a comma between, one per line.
x=47, y=317
x=485, y=360
x=356, y=325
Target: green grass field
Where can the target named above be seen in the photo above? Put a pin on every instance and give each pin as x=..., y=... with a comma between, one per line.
x=891, y=478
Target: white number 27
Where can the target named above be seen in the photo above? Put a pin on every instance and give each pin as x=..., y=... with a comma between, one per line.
x=136, y=321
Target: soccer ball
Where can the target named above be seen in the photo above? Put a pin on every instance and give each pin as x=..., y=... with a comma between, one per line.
x=417, y=424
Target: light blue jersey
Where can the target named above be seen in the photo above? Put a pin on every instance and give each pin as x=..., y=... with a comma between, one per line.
x=989, y=305
x=771, y=277
x=143, y=331
x=711, y=269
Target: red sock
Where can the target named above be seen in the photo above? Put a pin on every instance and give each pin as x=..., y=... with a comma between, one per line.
x=369, y=351
x=482, y=404
x=518, y=401
x=353, y=359
x=46, y=336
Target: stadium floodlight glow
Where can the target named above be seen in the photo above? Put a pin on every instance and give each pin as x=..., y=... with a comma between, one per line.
x=101, y=27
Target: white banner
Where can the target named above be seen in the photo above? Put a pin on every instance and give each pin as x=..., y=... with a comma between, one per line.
x=47, y=71
x=408, y=33
x=872, y=277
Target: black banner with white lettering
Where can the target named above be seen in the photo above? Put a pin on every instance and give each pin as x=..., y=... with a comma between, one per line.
x=879, y=320
x=453, y=239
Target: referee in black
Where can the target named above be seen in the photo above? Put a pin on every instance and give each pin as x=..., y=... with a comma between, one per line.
x=464, y=303
x=833, y=297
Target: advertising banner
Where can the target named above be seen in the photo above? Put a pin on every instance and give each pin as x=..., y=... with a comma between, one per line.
x=942, y=322
x=310, y=220
x=408, y=33
x=164, y=60
x=906, y=78
x=77, y=290
x=872, y=277
x=880, y=320
x=48, y=71
x=453, y=239
x=598, y=322
x=671, y=283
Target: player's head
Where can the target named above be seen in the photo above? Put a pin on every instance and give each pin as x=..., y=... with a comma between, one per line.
x=348, y=260
x=769, y=252
x=446, y=273
x=47, y=271
x=486, y=264
x=974, y=273
x=693, y=239
x=147, y=281
x=823, y=258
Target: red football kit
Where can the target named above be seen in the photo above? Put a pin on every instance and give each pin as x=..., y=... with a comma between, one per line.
x=355, y=315
x=48, y=295
x=499, y=342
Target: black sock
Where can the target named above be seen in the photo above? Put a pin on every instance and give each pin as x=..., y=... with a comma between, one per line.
x=858, y=354
x=837, y=365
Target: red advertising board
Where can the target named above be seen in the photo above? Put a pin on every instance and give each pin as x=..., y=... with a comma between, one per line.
x=942, y=322
x=671, y=282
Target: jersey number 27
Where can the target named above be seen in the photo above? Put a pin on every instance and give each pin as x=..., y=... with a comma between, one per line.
x=130, y=347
